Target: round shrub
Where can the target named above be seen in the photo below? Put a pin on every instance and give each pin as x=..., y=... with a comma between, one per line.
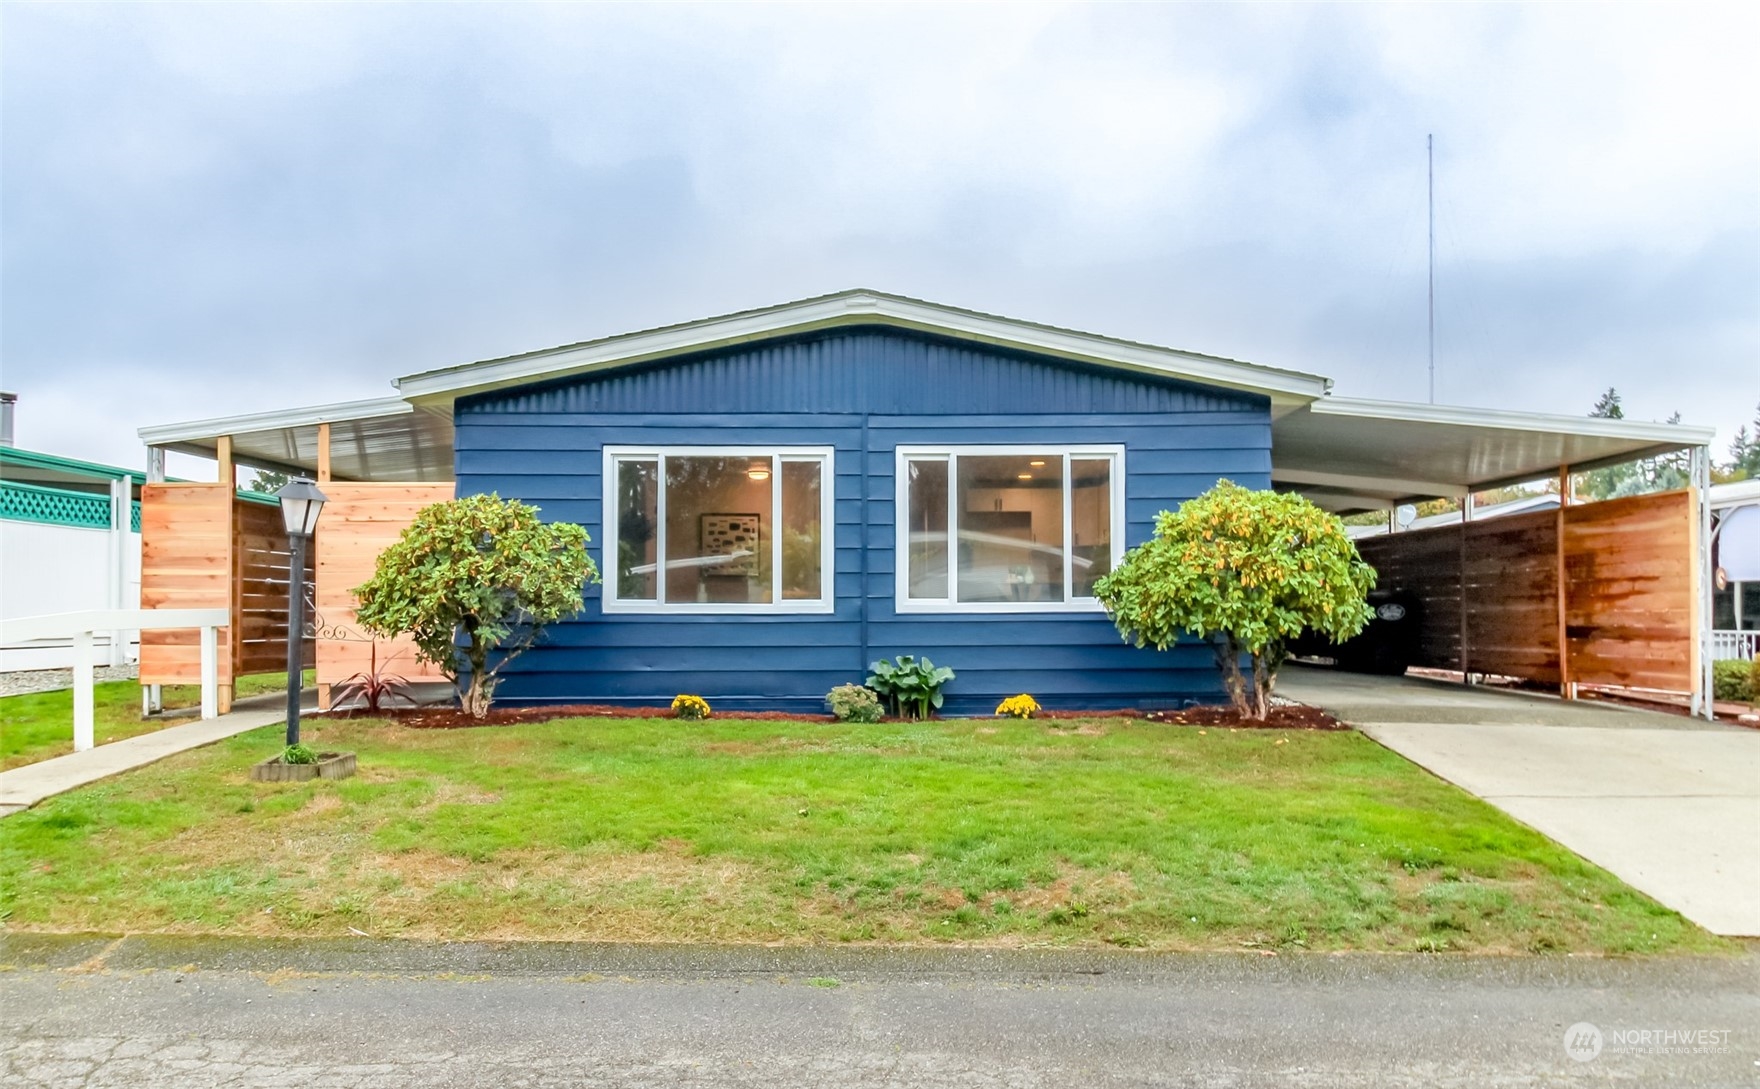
x=854, y=703
x=690, y=707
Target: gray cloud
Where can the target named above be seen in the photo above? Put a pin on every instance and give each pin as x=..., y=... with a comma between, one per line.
x=213, y=209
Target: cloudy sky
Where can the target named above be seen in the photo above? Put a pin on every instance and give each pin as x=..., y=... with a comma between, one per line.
x=208, y=209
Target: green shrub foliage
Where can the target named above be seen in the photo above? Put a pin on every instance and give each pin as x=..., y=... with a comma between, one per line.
x=474, y=582
x=1247, y=571
x=909, y=686
x=299, y=754
x=1735, y=680
x=854, y=703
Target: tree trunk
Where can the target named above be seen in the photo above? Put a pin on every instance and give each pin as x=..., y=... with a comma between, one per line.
x=1228, y=662
x=1262, y=677
x=474, y=700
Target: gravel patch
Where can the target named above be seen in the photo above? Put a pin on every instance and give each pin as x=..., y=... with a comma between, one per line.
x=24, y=681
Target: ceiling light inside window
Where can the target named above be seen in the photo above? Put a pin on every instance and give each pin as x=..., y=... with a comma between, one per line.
x=759, y=472
x=1037, y=464
x=1026, y=476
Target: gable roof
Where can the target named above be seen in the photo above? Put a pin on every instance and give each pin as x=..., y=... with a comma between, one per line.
x=1287, y=389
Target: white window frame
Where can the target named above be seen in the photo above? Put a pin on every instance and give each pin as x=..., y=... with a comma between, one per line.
x=825, y=456
x=951, y=452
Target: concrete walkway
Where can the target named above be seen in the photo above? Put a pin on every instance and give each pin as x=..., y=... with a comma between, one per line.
x=1670, y=805
x=21, y=788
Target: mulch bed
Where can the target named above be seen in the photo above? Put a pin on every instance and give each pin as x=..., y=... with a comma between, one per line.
x=1287, y=717
x=1296, y=717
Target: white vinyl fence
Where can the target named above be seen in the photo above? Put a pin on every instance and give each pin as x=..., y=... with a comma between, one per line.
x=83, y=627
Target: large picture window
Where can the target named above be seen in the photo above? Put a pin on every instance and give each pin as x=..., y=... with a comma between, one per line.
x=718, y=529
x=1007, y=529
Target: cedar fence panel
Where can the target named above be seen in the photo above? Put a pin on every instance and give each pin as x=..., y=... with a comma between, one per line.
x=186, y=563
x=1629, y=616
x=262, y=556
x=1427, y=563
x=359, y=522
x=1628, y=594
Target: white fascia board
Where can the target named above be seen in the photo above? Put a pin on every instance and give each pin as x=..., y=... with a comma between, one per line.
x=207, y=430
x=1390, y=486
x=1681, y=435
x=1288, y=388
x=1737, y=494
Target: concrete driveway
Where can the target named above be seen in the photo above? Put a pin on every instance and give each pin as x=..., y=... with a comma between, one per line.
x=1669, y=804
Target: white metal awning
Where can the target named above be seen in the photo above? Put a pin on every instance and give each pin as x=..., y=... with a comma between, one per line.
x=1353, y=455
x=385, y=439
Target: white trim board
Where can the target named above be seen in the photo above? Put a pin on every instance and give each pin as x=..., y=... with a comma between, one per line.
x=1287, y=389
x=824, y=456
x=904, y=604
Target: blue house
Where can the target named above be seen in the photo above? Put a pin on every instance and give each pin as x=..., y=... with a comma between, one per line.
x=772, y=515
x=778, y=497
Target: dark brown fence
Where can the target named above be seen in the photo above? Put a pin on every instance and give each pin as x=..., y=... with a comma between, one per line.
x=1492, y=602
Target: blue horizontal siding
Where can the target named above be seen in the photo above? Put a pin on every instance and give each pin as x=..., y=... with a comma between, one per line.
x=850, y=390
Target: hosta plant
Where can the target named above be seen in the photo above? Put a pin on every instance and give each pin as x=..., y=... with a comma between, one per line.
x=909, y=686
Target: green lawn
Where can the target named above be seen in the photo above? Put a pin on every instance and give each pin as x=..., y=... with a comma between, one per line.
x=40, y=725
x=974, y=831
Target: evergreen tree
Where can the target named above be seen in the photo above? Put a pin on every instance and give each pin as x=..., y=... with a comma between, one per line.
x=1749, y=460
x=1615, y=479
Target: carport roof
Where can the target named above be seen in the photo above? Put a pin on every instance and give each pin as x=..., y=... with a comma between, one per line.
x=1345, y=454
x=386, y=438
x=1348, y=454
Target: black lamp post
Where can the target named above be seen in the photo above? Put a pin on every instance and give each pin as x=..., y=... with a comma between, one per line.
x=301, y=502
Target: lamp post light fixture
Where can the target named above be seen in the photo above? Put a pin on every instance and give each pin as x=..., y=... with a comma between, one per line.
x=301, y=503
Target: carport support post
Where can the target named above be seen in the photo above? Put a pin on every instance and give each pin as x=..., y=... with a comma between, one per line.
x=1567, y=689
x=323, y=478
x=1705, y=691
x=1466, y=643
x=152, y=696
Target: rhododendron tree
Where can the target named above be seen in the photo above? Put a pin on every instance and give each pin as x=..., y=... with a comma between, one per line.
x=1246, y=571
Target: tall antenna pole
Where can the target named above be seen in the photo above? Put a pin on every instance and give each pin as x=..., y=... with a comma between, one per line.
x=1430, y=177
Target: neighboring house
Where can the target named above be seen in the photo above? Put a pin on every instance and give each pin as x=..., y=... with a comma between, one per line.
x=69, y=542
x=780, y=496
x=1735, y=513
x=1453, y=517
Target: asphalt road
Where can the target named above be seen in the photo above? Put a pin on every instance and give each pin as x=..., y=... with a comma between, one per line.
x=385, y=1014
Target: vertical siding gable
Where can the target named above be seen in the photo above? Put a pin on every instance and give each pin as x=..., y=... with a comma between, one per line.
x=862, y=371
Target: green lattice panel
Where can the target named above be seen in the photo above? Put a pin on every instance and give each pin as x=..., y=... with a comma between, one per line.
x=55, y=506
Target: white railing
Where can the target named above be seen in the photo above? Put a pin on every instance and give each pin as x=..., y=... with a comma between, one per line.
x=83, y=626
x=1740, y=645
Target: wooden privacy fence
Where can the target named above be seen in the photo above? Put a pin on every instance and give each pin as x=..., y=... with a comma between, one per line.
x=1614, y=583
x=359, y=522
x=202, y=547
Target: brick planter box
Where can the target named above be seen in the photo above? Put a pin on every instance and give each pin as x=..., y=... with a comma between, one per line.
x=330, y=765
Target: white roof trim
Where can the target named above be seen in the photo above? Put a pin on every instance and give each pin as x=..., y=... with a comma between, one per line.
x=1392, y=485
x=1286, y=388
x=199, y=430
x=1737, y=493
x=1456, y=415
